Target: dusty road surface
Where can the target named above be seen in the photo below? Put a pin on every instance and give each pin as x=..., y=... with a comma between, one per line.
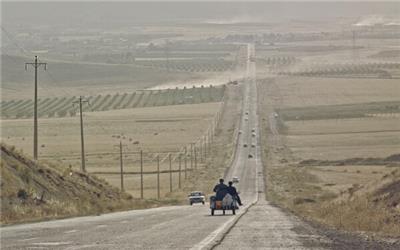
x=182, y=227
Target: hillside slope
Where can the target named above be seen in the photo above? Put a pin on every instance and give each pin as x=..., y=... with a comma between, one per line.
x=31, y=191
x=370, y=208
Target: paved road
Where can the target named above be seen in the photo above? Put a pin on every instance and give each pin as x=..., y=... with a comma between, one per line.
x=178, y=227
x=265, y=226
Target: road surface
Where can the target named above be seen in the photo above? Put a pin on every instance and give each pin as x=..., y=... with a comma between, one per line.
x=181, y=227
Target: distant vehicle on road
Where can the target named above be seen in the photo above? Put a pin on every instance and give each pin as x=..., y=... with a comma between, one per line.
x=253, y=145
x=250, y=156
x=196, y=197
x=253, y=134
x=245, y=145
x=240, y=132
x=235, y=179
x=253, y=130
x=233, y=82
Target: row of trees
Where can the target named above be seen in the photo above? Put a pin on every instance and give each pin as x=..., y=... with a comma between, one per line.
x=190, y=65
x=62, y=106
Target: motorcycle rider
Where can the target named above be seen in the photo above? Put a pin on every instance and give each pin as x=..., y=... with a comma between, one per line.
x=220, y=190
x=232, y=191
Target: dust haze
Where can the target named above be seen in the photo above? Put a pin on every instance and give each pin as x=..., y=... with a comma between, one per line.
x=149, y=101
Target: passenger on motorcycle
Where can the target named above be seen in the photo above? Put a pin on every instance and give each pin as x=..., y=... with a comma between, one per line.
x=232, y=191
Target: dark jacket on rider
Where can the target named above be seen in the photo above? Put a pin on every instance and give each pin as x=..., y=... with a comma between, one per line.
x=232, y=191
x=220, y=187
x=221, y=190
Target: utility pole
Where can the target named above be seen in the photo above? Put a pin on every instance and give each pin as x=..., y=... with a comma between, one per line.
x=180, y=168
x=191, y=155
x=121, y=164
x=205, y=147
x=195, y=157
x=185, y=162
x=201, y=149
x=82, y=137
x=170, y=172
x=158, y=176
x=36, y=65
x=141, y=174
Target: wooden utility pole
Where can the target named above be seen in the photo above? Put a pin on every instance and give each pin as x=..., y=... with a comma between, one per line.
x=36, y=65
x=170, y=172
x=82, y=136
x=141, y=174
x=180, y=169
x=195, y=157
x=121, y=163
x=205, y=146
x=201, y=149
x=191, y=155
x=185, y=162
x=158, y=177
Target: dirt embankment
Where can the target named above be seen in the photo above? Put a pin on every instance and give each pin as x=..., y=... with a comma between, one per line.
x=373, y=208
x=36, y=191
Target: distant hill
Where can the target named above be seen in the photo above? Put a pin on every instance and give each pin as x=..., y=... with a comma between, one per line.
x=31, y=191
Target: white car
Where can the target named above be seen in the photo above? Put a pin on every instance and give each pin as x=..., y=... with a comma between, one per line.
x=197, y=197
x=235, y=179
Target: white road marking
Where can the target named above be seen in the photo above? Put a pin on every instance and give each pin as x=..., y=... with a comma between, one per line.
x=53, y=243
x=28, y=239
x=211, y=237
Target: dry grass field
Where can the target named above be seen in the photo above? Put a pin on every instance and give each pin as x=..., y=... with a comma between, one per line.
x=330, y=147
x=155, y=130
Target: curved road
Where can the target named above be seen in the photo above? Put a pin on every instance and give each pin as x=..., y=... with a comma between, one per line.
x=180, y=227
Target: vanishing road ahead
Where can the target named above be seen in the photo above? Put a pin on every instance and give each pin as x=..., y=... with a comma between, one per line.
x=256, y=225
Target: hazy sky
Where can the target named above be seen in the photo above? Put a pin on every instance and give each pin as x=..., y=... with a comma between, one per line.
x=113, y=11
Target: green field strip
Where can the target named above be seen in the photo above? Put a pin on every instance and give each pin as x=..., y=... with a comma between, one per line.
x=138, y=99
x=143, y=99
x=146, y=100
x=104, y=101
x=154, y=98
x=19, y=105
x=179, y=96
x=118, y=102
x=86, y=107
x=51, y=110
x=6, y=104
x=196, y=95
x=108, y=105
x=129, y=100
x=25, y=110
x=43, y=108
x=62, y=106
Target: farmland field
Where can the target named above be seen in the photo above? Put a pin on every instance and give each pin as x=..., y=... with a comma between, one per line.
x=326, y=138
x=155, y=130
x=62, y=106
